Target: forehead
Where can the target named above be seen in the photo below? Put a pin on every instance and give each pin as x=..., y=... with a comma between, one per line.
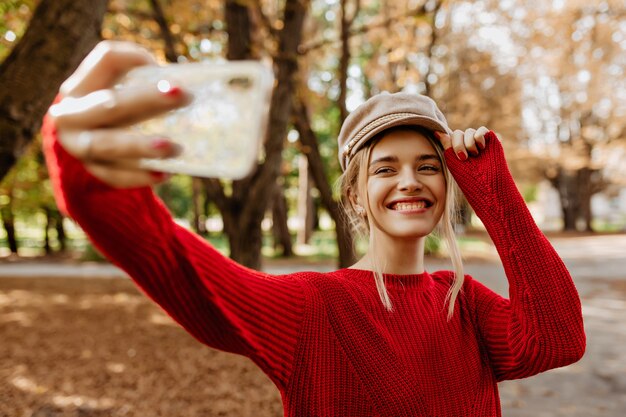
x=402, y=143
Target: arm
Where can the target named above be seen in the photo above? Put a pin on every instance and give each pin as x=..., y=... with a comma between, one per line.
x=541, y=327
x=221, y=303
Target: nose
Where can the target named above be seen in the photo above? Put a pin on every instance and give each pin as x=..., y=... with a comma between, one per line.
x=408, y=180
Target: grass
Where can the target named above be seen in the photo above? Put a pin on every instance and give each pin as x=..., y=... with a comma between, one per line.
x=321, y=248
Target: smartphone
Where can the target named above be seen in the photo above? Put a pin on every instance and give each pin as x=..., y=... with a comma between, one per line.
x=221, y=131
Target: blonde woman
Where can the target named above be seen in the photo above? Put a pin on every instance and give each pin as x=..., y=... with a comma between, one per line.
x=382, y=338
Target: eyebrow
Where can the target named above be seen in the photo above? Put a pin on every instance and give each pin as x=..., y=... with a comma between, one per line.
x=420, y=158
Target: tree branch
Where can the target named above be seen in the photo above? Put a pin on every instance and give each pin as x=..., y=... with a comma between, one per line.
x=265, y=21
x=311, y=46
x=159, y=17
x=58, y=37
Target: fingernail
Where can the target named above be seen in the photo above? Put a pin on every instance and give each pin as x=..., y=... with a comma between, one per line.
x=173, y=92
x=473, y=153
x=481, y=145
x=437, y=134
x=461, y=156
x=168, y=89
x=161, y=144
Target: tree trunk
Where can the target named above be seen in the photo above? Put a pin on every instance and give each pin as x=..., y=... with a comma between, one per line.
x=58, y=37
x=280, y=228
x=575, y=188
x=585, y=193
x=245, y=245
x=345, y=238
x=238, y=26
x=199, y=224
x=344, y=61
x=315, y=213
x=305, y=202
x=565, y=183
x=8, y=222
x=58, y=224
x=46, y=232
x=244, y=209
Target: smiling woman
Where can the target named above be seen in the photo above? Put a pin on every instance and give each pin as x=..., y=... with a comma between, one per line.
x=398, y=189
x=375, y=339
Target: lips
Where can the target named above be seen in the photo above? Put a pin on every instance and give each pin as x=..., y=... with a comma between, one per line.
x=412, y=204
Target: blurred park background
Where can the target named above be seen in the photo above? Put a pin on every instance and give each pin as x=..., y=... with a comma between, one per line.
x=546, y=76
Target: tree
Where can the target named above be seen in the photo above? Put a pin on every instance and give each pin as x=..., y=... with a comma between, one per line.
x=25, y=193
x=243, y=210
x=60, y=34
x=576, y=104
x=310, y=148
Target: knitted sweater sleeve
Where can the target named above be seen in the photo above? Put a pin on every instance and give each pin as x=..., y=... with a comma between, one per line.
x=219, y=302
x=541, y=326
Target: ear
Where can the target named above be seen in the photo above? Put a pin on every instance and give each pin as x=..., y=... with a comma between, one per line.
x=353, y=198
x=356, y=203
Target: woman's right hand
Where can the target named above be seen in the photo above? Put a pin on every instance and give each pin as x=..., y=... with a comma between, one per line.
x=91, y=116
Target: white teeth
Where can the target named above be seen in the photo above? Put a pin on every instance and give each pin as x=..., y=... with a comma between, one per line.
x=409, y=206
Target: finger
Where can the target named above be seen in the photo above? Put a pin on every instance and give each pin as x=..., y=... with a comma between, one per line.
x=479, y=137
x=445, y=140
x=114, y=144
x=104, y=64
x=109, y=107
x=458, y=143
x=469, y=142
x=125, y=177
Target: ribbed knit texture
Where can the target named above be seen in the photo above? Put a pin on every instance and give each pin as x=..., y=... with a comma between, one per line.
x=325, y=339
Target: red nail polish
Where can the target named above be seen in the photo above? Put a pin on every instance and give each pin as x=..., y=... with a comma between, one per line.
x=158, y=176
x=161, y=144
x=173, y=92
x=462, y=156
x=437, y=134
x=481, y=145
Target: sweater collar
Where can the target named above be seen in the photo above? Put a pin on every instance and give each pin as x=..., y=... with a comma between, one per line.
x=422, y=280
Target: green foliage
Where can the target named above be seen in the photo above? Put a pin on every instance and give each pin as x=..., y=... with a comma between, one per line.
x=529, y=192
x=177, y=195
x=432, y=245
x=91, y=254
x=14, y=18
x=26, y=187
x=25, y=193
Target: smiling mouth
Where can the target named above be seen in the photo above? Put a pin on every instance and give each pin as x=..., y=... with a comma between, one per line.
x=409, y=205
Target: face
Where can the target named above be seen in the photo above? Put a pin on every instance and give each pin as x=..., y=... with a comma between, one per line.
x=406, y=186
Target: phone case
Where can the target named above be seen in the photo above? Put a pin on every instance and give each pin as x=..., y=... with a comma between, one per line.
x=222, y=129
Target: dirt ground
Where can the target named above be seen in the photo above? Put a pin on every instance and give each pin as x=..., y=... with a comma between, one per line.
x=89, y=346
x=97, y=347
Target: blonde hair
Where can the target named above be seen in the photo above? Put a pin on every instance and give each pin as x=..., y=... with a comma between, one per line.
x=354, y=181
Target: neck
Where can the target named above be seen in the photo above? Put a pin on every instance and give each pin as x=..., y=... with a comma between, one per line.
x=394, y=255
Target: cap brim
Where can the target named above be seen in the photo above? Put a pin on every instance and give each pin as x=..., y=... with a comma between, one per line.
x=420, y=121
x=404, y=120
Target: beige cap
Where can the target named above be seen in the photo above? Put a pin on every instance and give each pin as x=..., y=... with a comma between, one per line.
x=382, y=112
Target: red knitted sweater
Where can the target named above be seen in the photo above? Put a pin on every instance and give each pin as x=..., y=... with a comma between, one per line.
x=326, y=340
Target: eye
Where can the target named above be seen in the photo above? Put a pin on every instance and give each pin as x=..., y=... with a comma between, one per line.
x=383, y=170
x=429, y=168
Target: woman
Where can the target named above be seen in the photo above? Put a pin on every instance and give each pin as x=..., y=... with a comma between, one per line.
x=382, y=338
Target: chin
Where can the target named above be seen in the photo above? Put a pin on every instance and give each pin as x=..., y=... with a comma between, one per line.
x=409, y=233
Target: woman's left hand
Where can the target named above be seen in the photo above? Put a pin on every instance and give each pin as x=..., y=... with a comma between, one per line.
x=465, y=143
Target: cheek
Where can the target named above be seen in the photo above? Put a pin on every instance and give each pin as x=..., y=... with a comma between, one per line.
x=438, y=187
x=376, y=192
